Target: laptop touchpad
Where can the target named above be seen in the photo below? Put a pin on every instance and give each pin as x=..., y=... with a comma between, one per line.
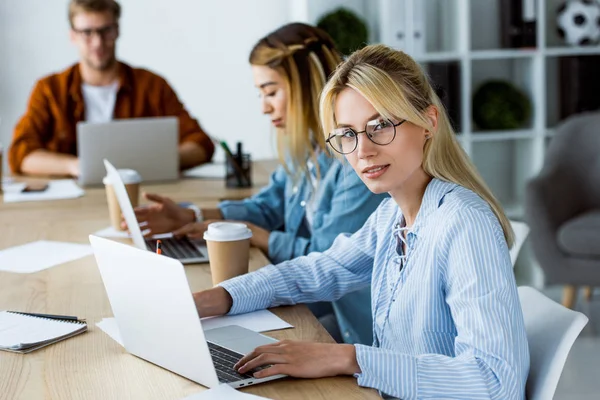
x=237, y=338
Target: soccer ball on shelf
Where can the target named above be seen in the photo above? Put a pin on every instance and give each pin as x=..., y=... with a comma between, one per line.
x=579, y=22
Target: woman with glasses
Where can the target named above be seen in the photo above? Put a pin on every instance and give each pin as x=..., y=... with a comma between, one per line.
x=447, y=319
x=312, y=197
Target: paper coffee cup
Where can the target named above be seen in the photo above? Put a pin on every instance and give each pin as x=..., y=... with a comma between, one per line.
x=228, y=245
x=1, y=161
x=131, y=180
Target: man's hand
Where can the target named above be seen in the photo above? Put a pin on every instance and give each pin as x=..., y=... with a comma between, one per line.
x=193, y=230
x=73, y=167
x=162, y=216
x=301, y=360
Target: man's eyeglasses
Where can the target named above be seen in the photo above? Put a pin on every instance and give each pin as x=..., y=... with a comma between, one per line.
x=380, y=131
x=108, y=32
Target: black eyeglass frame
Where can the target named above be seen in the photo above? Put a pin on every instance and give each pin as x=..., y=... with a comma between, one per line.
x=331, y=136
x=106, y=32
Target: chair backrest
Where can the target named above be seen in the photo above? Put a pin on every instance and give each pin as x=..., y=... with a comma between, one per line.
x=521, y=230
x=573, y=151
x=551, y=332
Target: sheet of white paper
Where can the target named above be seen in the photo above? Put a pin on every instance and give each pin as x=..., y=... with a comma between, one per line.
x=109, y=326
x=12, y=187
x=221, y=392
x=57, y=190
x=207, y=171
x=111, y=232
x=257, y=321
x=37, y=256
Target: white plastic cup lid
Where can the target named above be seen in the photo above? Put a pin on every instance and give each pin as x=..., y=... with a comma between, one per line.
x=227, y=232
x=128, y=176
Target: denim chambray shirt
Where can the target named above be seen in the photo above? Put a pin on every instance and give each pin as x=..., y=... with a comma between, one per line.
x=342, y=205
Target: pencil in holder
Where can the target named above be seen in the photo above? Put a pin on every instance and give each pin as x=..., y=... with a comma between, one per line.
x=238, y=171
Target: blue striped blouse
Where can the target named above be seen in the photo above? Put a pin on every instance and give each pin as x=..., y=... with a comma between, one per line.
x=447, y=318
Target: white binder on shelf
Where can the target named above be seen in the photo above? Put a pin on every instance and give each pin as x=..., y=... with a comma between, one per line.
x=403, y=25
x=416, y=11
x=392, y=17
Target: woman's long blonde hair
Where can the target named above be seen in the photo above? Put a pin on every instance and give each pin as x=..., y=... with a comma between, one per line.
x=304, y=56
x=398, y=88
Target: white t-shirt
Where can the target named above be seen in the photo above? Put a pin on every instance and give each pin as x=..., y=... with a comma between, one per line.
x=310, y=202
x=99, y=101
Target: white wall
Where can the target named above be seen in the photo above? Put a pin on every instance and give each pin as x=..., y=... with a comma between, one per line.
x=200, y=46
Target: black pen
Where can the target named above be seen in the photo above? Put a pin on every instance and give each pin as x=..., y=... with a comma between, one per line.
x=49, y=316
x=237, y=168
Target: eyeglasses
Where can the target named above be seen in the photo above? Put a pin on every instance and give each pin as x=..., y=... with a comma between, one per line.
x=380, y=131
x=108, y=32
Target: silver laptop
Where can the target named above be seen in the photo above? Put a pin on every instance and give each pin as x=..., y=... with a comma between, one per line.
x=157, y=318
x=186, y=250
x=147, y=145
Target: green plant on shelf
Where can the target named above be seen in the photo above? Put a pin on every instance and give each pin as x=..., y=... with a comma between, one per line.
x=500, y=105
x=347, y=30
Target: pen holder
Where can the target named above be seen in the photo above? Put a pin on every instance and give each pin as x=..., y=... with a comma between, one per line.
x=238, y=173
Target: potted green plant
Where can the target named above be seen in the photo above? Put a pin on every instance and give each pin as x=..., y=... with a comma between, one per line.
x=348, y=31
x=499, y=105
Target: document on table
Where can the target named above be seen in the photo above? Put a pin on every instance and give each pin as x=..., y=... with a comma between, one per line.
x=112, y=233
x=207, y=171
x=223, y=391
x=110, y=327
x=258, y=321
x=40, y=255
x=57, y=190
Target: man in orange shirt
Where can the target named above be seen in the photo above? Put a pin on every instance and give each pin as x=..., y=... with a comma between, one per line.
x=97, y=89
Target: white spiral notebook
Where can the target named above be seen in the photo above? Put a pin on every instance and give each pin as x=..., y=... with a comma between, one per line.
x=23, y=333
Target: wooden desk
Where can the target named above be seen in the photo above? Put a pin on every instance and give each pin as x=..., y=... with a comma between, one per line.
x=92, y=365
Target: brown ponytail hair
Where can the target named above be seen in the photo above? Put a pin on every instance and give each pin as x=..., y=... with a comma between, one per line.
x=305, y=56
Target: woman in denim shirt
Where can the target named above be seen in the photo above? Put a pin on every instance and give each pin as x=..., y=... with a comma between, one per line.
x=312, y=197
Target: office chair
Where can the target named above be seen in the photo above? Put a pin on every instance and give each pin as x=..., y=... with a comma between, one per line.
x=551, y=332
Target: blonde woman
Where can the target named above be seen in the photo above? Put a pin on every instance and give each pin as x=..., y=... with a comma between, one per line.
x=313, y=196
x=447, y=319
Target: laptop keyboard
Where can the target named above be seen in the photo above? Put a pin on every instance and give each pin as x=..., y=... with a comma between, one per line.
x=179, y=249
x=224, y=360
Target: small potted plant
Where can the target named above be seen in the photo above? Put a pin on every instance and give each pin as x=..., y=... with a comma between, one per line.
x=348, y=31
x=499, y=105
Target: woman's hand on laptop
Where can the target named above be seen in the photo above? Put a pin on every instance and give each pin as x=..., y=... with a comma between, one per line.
x=213, y=302
x=163, y=215
x=301, y=360
x=195, y=230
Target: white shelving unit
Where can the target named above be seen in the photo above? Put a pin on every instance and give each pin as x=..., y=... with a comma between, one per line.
x=468, y=32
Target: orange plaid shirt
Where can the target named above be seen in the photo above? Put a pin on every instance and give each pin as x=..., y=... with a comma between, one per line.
x=56, y=106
